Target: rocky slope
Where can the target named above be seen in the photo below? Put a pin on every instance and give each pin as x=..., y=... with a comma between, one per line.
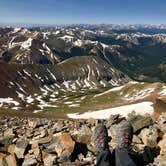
x=30, y=141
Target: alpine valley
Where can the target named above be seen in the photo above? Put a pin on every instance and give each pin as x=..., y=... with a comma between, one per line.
x=74, y=71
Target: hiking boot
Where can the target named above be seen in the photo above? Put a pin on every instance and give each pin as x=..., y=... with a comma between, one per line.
x=100, y=138
x=125, y=135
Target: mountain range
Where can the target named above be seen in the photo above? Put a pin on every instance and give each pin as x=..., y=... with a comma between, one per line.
x=38, y=62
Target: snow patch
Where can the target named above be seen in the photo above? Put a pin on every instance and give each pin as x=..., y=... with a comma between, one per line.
x=74, y=105
x=11, y=83
x=139, y=108
x=163, y=92
x=21, y=89
x=8, y=101
x=46, y=47
x=68, y=102
x=37, y=111
x=67, y=84
x=110, y=90
x=27, y=44
x=47, y=88
x=45, y=91
x=78, y=42
x=28, y=74
x=98, y=73
x=82, y=98
x=104, y=45
x=141, y=94
x=52, y=75
x=103, y=83
x=87, y=84
x=44, y=104
x=114, y=82
x=29, y=99
x=20, y=95
x=94, y=60
x=67, y=38
x=16, y=30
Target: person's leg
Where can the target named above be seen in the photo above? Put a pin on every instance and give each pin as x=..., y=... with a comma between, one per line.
x=122, y=152
x=100, y=139
x=123, y=158
x=104, y=158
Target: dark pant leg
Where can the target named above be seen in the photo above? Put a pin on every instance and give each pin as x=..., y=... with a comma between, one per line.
x=123, y=158
x=104, y=158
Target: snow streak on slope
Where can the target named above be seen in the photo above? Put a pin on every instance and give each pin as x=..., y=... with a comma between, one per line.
x=110, y=90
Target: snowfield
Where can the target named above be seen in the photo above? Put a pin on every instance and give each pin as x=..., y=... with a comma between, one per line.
x=8, y=101
x=27, y=44
x=67, y=38
x=139, y=108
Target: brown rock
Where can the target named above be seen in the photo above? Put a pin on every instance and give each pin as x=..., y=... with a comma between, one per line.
x=138, y=147
x=20, y=148
x=36, y=151
x=162, y=145
x=112, y=132
x=2, y=155
x=3, y=162
x=82, y=135
x=160, y=161
x=33, y=123
x=162, y=118
x=11, y=160
x=49, y=159
x=58, y=126
x=113, y=119
x=139, y=122
x=44, y=140
x=6, y=140
x=149, y=136
x=29, y=162
x=40, y=134
x=66, y=145
x=91, y=121
x=80, y=156
x=136, y=140
x=11, y=148
x=8, y=132
x=162, y=122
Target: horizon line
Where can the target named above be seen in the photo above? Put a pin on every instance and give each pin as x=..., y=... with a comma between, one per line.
x=21, y=24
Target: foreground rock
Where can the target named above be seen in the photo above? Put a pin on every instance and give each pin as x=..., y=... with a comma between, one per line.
x=28, y=141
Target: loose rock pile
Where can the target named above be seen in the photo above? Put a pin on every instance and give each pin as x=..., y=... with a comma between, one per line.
x=28, y=141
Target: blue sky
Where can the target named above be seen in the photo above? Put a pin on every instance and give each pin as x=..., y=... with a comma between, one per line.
x=83, y=11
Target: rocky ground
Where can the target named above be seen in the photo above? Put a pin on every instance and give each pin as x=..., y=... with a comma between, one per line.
x=34, y=141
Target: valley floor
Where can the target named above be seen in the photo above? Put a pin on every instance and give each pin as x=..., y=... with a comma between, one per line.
x=96, y=103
